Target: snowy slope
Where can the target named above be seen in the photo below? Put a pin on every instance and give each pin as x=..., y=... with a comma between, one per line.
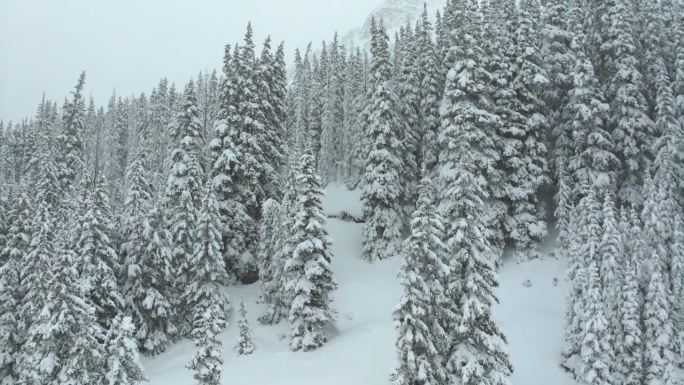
x=362, y=350
x=394, y=14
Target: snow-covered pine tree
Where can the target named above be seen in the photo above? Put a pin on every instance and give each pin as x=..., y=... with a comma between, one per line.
x=98, y=262
x=628, y=339
x=524, y=152
x=596, y=355
x=61, y=343
x=590, y=153
x=207, y=362
x=611, y=259
x=430, y=88
x=206, y=271
x=149, y=291
x=12, y=285
x=70, y=138
x=318, y=79
x=183, y=192
x=559, y=59
x=630, y=126
x=408, y=96
x=235, y=220
x=476, y=352
x=420, y=314
x=383, y=189
x=121, y=142
x=274, y=289
x=245, y=345
x=678, y=281
x=659, y=211
x=659, y=332
x=584, y=248
x=310, y=277
x=136, y=204
x=354, y=139
x=678, y=76
x=564, y=208
x=467, y=133
x=333, y=115
x=302, y=90
x=271, y=82
x=122, y=364
x=269, y=237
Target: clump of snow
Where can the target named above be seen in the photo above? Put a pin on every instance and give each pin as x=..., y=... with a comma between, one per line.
x=361, y=349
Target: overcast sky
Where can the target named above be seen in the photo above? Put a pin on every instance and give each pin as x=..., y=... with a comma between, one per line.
x=130, y=44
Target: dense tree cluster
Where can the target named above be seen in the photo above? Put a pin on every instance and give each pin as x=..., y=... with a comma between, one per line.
x=469, y=134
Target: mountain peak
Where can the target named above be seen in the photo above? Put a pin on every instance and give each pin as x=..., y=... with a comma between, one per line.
x=394, y=14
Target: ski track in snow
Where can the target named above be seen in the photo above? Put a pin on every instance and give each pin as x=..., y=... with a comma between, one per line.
x=361, y=349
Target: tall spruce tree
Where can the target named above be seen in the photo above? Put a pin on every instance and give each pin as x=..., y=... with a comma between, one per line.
x=308, y=269
x=524, y=153
x=596, y=355
x=98, y=262
x=70, y=138
x=183, y=191
x=122, y=365
x=630, y=126
x=12, y=285
x=150, y=275
x=382, y=190
x=423, y=307
x=206, y=271
x=466, y=138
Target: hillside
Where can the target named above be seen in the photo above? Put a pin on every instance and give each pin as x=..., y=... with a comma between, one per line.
x=361, y=351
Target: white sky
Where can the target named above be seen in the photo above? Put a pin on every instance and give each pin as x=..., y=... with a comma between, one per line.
x=130, y=44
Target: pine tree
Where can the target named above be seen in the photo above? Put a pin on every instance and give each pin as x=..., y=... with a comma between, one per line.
x=408, y=98
x=98, y=262
x=590, y=154
x=121, y=149
x=466, y=137
x=61, y=343
x=629, y=335
x=431, y=88
x=149, y=292
x=271, y=78
x=564, y=208
x=659, y=333
x=333, y=115
x=70, y=139
x=524, y=153
x=596, y=352
x=583, y=250
x=559, y=59
x=476, y=351
x=12, y=281
x=630, y=125
x=274, y=289
x=383, y=191
x=244, y=346
x=136, y=205
x=208, y=324
x=206, y=271
x=418, y=316
x=610, y=255
x=308, y=269
x=122, y=366
x=183, y=191
x=224, y=173
x=269, y=239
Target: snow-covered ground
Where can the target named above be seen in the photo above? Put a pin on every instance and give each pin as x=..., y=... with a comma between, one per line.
x=361, y=351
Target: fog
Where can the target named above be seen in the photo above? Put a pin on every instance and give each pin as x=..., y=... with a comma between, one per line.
x=128, y=45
